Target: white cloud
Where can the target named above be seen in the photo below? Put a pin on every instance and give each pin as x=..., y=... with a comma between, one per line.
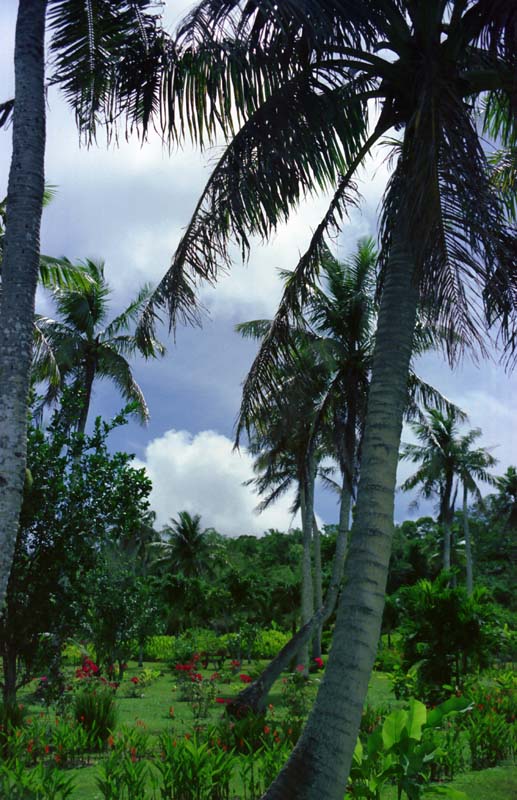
x=202, y=475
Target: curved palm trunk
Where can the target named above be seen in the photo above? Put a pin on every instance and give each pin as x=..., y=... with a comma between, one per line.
x=318, y=588
x=254, y=697
x=319, y=766
x=20, y=269
x=468, y=543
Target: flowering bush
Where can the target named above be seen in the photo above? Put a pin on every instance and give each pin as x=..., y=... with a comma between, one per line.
x=94, y=708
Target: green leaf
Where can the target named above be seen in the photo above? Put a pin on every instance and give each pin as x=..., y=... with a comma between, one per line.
x=445, y=791
x=393, y=728
x=417, y=716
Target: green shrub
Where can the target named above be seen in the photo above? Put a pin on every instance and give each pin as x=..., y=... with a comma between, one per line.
x=40, y=783
x=268, y=643
x=159, y=648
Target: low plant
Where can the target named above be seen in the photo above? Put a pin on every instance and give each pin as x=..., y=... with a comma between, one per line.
x=194, y=770
x=44, y=782
x=401, y=752
x=94, y=708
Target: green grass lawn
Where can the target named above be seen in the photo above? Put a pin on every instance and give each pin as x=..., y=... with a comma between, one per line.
x=160, y=709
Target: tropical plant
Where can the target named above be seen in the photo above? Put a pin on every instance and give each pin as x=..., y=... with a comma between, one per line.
x=82, y=346
x=300, y=77
x=109, y=65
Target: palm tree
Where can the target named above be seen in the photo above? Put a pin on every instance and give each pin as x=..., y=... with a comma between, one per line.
x=439, y=456
x=506, y=499
x=109, y=66
x=446, y=461
x=188, y=549
x=83, y=346
x=301, y=76
x=473, y=466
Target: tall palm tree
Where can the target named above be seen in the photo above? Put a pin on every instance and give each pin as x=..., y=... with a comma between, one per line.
x=301, y=76
x=109, y=61
x=84, y=346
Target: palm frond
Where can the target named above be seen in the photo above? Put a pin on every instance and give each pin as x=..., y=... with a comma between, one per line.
x=113, y=366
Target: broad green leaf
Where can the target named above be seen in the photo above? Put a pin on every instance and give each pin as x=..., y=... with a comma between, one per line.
x=417, y=716
x=358, y=752
x=453, y=704
x=393, y=727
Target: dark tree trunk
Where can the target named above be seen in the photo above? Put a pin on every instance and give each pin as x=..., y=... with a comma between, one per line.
x=20, y=269
x=9, y=660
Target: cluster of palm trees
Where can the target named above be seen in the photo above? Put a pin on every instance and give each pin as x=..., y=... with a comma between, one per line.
x=292, y=86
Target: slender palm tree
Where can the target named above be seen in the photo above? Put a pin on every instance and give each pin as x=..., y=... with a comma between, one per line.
x=439, y=454
x=84, y=346
x=473, y=466
x=506, y=499
x=448, y=461
x=109, y=62
x=301, y=76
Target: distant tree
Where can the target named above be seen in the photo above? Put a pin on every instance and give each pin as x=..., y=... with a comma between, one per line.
x=82, y=346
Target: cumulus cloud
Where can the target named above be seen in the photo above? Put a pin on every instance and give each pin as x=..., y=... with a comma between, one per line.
x=202, y=475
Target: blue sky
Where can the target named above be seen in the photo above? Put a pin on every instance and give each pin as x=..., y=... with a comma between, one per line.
x=128, y=206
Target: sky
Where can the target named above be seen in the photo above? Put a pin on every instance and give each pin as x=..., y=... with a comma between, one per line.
x=128, y=206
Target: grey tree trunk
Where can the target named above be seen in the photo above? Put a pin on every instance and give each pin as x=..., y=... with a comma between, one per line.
x=307, y=513
x=254, y=697
x=20, y=269
x=446, y=544
x=319, y=765
x=318, y=588
x=468, y=543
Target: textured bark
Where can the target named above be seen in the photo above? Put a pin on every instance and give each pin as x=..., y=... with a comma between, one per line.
x=89, y=376
x=20, y=269
x=319, y=766
x=254, y=697
x=468, y=544
x=307, y=513
x=318, y=589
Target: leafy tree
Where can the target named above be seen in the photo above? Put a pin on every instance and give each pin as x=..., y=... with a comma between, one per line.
x=82, y=346
x=77, y=498
x=188, y=549
x=303, y=75
x=447, y=633
x=108, y=60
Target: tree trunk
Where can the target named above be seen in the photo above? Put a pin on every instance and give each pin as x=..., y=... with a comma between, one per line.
x=446, y=545
x=468, y=544
x=254, y=697
x=9, y=661
x=318, y=589
x=89, y=376
x=20, y=269
x=307, y=513
x=319, y=765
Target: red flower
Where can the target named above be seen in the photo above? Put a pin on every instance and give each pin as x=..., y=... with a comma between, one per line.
x=246, y=678
x=223, y=700
x=134, y=680
x=300, y=668
x=267, y=729
x=319, y=662
x=47, y=749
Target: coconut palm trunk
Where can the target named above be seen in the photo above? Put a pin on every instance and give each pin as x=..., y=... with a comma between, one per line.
x=254, y=697
x=468, y=543
x=20, y=268
x=307, y=514
x=319, y=766
x=318, y=588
